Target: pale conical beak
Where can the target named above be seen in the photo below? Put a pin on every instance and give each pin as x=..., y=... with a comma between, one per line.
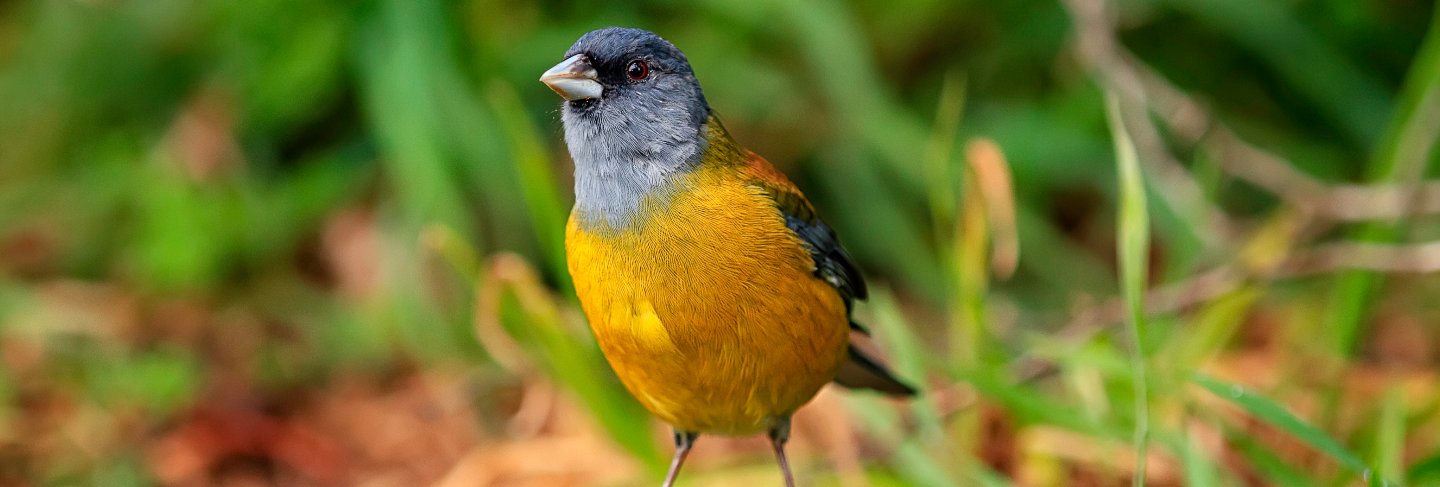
x=573, y=79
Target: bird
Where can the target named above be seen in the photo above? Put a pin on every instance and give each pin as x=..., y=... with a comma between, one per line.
x=714, y=290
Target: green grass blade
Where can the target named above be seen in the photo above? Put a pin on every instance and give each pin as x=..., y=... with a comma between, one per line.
x=1200, y=470
x=1425, y=472
x=1274, y=470
x=538, y=184
x=1213, y=327
x=1390, y=434
x=1400, y=157
x=1028, y=405
x=939, y=155
x=1276, y=415
x=1134, y=250
x=398, y=59
x=927, y=456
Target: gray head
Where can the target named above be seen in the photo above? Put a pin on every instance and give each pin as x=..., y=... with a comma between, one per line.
x=634, y=120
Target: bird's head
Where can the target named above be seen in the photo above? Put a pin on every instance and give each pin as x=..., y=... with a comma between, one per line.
x=634, y=117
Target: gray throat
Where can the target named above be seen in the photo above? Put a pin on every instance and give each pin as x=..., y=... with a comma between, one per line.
x=624, y=165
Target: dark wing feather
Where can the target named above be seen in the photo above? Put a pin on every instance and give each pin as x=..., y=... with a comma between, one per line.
x=833, y=265
x=860, y=371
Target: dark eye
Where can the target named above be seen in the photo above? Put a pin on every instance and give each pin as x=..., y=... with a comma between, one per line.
x=637, y=70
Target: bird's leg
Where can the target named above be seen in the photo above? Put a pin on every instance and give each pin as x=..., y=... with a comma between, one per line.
x=683, y=441
x=779, y=434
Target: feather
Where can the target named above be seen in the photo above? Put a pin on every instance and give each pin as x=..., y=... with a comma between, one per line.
x=832, y=264
x=860, y=371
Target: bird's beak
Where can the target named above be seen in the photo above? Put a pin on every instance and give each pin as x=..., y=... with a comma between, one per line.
x=574, y=79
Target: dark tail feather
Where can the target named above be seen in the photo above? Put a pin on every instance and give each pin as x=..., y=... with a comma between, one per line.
x=863, y=372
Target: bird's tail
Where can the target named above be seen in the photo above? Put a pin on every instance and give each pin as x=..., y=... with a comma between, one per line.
x=860, y=371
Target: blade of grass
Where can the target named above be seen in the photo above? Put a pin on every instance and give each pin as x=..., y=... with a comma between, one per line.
x=1425, y=472
x=913, y=462
x=1209, y=332
x=969, y=248
x=1276, y=415
x=923, y=457
x=399, y=57
x=1390, y=433
x=1134, y=249
x=1200, y=468
x=538, y=184
x=941, y=178
x=1400, y=157
x=907, y=354
x=1029, y=405
x=939, y=155
x=1274, y=470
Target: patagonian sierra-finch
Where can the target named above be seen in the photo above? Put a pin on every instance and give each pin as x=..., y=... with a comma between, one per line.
x=716, y=293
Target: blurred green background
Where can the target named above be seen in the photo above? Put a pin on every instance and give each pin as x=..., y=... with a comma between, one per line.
x=319, y=242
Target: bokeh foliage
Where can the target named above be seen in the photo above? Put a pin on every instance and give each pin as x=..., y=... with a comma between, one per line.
x=332, y=176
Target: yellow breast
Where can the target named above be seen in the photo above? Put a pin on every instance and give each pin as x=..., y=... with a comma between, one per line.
x=707, y=308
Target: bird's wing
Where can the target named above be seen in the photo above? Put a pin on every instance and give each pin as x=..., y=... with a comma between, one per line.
x=834, y=266
x=832, y=263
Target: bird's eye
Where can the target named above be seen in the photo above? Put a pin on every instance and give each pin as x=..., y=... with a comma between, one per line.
x=637, y=70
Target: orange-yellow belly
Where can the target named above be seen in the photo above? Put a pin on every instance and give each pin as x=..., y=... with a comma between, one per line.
x=708, y=309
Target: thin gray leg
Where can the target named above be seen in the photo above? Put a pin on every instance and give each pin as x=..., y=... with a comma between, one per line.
x=683, y=441
x=779, y=434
